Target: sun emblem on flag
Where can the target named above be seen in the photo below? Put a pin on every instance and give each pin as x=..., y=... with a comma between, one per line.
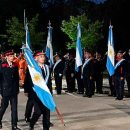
x=111, y=52
x=37, y=77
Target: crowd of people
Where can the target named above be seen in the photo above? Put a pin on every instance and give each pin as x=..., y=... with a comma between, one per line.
x=14, y=73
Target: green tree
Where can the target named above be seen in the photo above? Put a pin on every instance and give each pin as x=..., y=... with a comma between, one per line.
x=16, y=32
x=90, y=31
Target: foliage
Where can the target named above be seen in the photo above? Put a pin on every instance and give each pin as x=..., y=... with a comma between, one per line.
x=90, y=31
x=16, y=32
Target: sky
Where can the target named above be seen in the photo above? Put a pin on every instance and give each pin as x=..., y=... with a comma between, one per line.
x=98, y=1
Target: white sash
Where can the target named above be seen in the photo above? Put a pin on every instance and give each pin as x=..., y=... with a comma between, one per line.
x=86, y=62
x=57, y=62
x=118, y=63
x=47, y=73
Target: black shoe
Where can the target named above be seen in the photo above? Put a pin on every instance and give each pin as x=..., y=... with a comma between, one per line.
x=0, y=125
x=90, y=96
x=27, y=120
x=15, y=128
x=85, y=95
x=51, y=124
x=31, y=128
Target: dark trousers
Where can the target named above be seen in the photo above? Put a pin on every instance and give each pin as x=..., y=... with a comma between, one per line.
x=89, y=87
x=119, y=85
x=128, y=83
x=39, y=109
x=99, y=81
x=70, y=83
x=58, y=82
x=79, y=82
x=29, y=107
x=4, y=104
x=112, y=86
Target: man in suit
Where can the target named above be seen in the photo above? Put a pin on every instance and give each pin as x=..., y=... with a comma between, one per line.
x=88, y=73
x=70, y=71
x=58, y=72
x=128, y=72
x=98, y=73
x=119, y=76
x=9, y=88
x=39, y=108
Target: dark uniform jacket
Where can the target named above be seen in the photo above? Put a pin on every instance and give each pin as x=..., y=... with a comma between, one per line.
x=88, y=70
x=120, y=70
x=9, y=79
x=70, y=67
x=58, y=69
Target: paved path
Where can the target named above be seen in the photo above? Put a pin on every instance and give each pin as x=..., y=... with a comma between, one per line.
x=100, y=112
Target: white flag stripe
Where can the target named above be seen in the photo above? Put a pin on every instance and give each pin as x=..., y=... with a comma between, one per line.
x=39, y=81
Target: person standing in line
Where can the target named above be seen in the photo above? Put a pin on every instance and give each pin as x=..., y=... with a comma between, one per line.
x=128, y=72
x=119, y=76
x=88, y=73
x=58, y=72
x=9, y=88
x=70, y=71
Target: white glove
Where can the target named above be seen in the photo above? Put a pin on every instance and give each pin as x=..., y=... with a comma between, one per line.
x=60, y=74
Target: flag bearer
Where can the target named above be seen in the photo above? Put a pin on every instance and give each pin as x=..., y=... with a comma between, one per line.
x=39, y=108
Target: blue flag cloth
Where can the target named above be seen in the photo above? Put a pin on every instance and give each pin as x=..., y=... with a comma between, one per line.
x=49, y=50
x=111, y=54
x=28, y=43
x=79, y=53
x=39, y=83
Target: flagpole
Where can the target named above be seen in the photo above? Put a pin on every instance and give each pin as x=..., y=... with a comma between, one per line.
x=24, y=18
x=60, y=116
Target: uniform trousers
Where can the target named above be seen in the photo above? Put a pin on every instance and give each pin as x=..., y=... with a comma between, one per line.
x=4, y=104
x=119, y=85
x=58, y=82
x=39, y=109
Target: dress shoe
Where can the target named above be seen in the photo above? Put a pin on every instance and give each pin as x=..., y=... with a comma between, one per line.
x=27, y=120
x=31, y=128
x=84, y=95
x=0, y=125
x=51, y=124
x=15, y=128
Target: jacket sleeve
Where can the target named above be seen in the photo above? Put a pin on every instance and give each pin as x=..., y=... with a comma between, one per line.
x=0, y=79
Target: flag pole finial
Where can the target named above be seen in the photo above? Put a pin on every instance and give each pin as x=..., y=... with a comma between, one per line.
x=49, y=24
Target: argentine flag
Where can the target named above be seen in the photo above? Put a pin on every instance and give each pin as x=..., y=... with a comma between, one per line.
x=78, y=49
x=110, y=55
x=39, y=83
x=28, y=43
x=49, y=50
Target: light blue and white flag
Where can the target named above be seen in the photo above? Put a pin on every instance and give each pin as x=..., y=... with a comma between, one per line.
x=39, y=83
x=110, y=54
x=49, y=50
x=78, y=49
x=28, y=43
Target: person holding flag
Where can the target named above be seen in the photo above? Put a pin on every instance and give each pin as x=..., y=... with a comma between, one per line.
x=39, y=107
x=78, y=63
x=111, y=60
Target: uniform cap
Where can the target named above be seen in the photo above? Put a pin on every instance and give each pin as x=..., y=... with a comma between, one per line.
x=37, y=53
x=9, y=52
x=120, y=51
x=57, y=54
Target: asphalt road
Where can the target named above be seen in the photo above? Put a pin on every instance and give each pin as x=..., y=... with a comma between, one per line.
x=100, y=112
